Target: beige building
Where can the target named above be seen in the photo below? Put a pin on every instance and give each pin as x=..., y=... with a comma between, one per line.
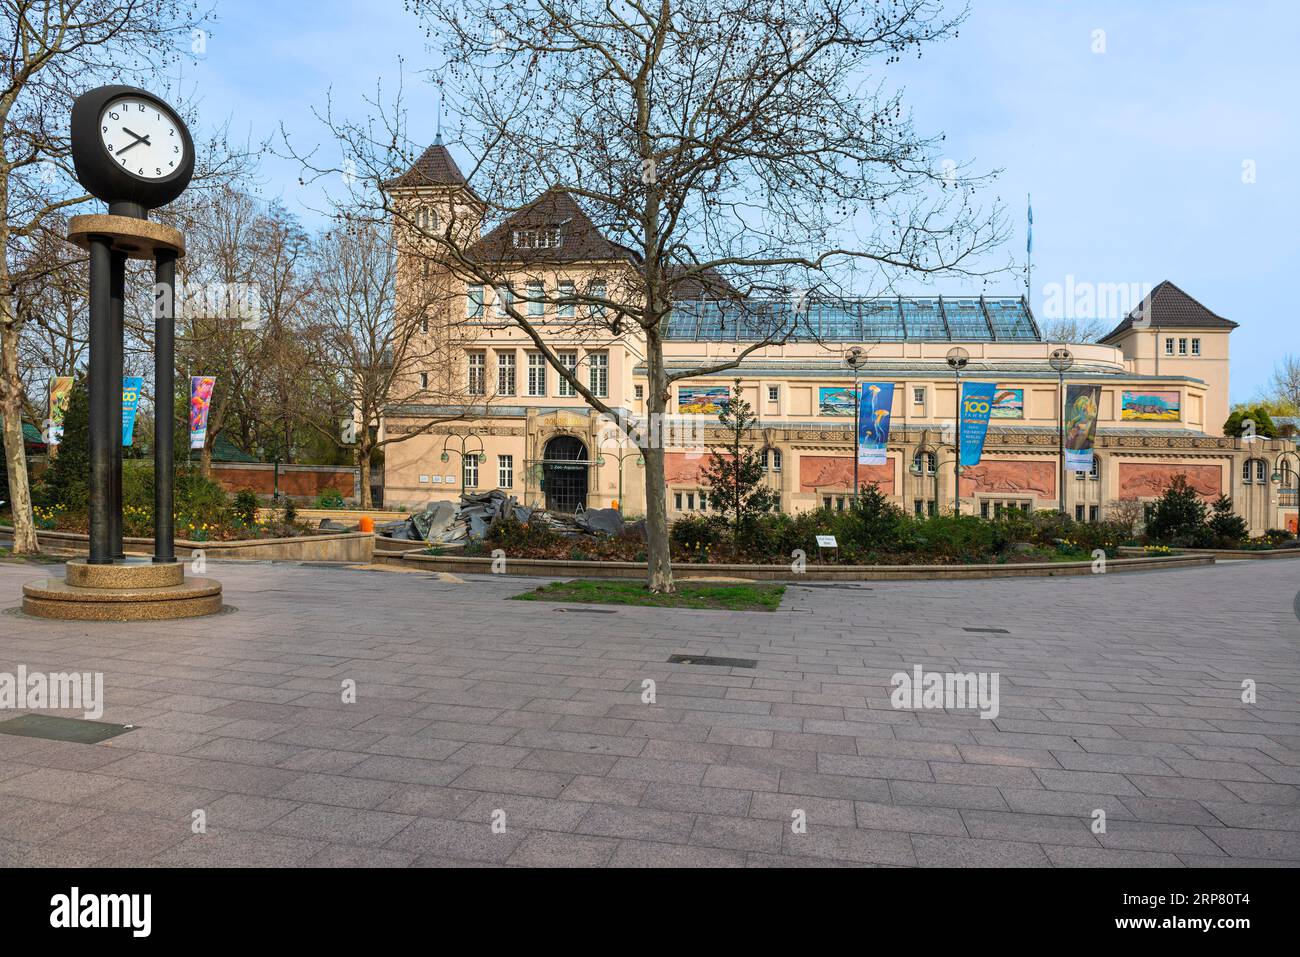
x=1162, y=372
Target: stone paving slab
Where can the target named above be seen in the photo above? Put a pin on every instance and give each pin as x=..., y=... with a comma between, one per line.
x=486, y=732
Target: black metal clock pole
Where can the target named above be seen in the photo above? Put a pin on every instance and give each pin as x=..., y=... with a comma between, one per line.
x=101, y=453
x=117, y=301
x=164, y=377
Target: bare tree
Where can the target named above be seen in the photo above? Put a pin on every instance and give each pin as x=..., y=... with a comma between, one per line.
x=1284, y=386
x=377, y=352
x=1074, y=330
x=723, y=148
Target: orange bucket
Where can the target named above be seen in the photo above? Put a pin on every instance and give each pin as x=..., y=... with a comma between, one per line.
x=367, y=524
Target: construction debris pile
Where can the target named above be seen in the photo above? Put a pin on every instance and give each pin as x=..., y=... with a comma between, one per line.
x=450, y=523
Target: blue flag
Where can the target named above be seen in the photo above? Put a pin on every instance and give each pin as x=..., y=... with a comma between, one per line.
x=131, y=386
x=1029, y=243
x=875, y=402
x=976, y=406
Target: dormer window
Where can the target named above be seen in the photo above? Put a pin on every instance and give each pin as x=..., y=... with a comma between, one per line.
x=537, y=237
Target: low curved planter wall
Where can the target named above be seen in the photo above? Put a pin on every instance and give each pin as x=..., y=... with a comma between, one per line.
x=570, y=569
x=334, y=547
x=1224, y=553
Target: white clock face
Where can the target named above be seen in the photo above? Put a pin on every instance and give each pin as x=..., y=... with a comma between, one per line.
x=142, y=139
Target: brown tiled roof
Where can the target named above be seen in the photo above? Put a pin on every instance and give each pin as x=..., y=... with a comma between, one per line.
x=580, y=240
x=435, y=167
x=1168, y=307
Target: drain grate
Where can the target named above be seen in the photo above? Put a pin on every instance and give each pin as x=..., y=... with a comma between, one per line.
x=989, y=631
x=54, y=728
x=590, y=611
x=710, y=660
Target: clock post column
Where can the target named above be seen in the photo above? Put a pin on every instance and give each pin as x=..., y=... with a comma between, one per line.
x=101, y=454
x=164, y=378
x=117, y=309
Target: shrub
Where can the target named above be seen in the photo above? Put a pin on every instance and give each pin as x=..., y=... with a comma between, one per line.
x=697, y=531
x=1227, y=529
x=513, y=535
x=290, y=512
x=245, y=507
x=330, y=498
x=872, y=523
x=1179, y=515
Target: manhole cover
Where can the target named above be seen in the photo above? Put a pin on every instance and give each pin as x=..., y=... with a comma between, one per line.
x=710, y=660
x=54, y=728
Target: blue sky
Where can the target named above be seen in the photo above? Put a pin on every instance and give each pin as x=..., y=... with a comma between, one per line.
x=1134, y=156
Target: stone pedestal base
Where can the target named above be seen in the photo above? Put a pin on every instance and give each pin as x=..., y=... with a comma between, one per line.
x=125, y=591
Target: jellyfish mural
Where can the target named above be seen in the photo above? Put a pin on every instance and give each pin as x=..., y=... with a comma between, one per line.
x=875, y=400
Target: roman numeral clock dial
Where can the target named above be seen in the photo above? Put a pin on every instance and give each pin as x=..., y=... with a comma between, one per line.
x=142, y=139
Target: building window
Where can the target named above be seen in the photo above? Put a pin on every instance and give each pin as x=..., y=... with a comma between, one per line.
x=1261, y=471
x=474, y=303
x=547, y=237
x=918, y=394
x=505, y=299
x=570, y=361
x=505, y=471
x=776, y=460
x=638, y=391
x=505, y=373
x=427, y=218
x=984, y=509
x=932, y=508
x=477, y=369
x=1254, y=470
x=469, y=470
x=565, y=310
x=1078, y=513
x=839, y=503
x=598, y=373
x=826, y=502
x=773, y=393
x=1182, y=347
x=704, y=502
x=536, y=300
x=597, y=291
x=1094, y=513
x=1169, y=346
x=424, y=325
x=1093, y=472
x=424, y=380
x=690, y=501
x=918, y=506
x=536, y=373
x=677, y=501
x=1196, y=347
x=927, y=461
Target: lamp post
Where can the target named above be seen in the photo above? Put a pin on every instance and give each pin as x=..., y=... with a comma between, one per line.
x=1277, y=477
x=856, y=357
x=481, y=456
x=640, y=461
x=957, y=359
x=1060, y=360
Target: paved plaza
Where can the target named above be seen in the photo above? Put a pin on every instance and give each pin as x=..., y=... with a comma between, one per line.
x=1118, y=693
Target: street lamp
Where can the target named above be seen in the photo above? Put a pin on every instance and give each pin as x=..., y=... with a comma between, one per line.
x=856, y=357
x=640, y=461
x=1277, y=477
x=481, y=456
x=957, y=358
x=1061, y=360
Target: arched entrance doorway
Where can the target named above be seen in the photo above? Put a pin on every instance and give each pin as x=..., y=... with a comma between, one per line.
x=564, y=473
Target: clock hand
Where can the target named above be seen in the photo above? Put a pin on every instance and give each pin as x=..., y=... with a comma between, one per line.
x=138, y=140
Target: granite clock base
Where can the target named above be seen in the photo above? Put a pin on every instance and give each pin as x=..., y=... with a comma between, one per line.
x=124, y=591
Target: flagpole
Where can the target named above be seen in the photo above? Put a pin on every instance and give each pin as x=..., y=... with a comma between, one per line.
x=1029, y=254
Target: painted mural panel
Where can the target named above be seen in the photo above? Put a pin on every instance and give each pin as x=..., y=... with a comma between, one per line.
x=1150, y=406
x=832, y=400
x=702, y=399
x=1008, y=404
x=836, y=472
x=1146, y=480
x=1005, y=476
x=683, y=468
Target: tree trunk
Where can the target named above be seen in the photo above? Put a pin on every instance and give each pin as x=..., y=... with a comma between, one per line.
x=659, y=578
x=363, y=454
x=11, y=407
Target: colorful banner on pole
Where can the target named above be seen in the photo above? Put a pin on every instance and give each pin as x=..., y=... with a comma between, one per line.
x=1081, y=404
x=875, y=401
x=131, y=386
x=60, y=396
x=976, y=407
x=201, y=387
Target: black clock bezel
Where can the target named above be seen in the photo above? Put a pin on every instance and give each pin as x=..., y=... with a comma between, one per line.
x=101, y=174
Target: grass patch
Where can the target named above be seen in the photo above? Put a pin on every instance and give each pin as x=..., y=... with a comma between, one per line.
x=758, y=596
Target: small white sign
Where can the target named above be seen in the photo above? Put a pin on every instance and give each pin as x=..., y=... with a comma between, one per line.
x=424, y=478
x=450, y=480
x=437, y=480
x=827, y=541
